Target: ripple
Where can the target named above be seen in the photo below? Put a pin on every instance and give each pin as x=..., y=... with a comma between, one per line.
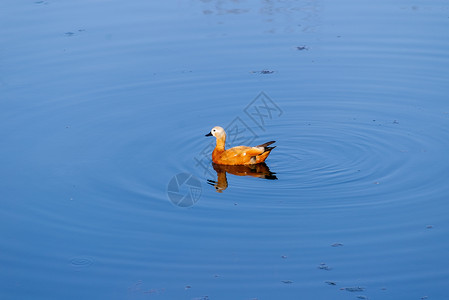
x=365, y=156
x=117, y=111
x=81, y=262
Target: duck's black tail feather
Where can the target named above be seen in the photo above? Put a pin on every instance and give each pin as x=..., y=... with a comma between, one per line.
x=266, y=144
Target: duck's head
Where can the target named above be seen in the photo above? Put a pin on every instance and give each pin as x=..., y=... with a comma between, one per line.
x=217, y=132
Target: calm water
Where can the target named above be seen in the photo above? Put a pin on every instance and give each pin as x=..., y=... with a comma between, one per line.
x=103, y=102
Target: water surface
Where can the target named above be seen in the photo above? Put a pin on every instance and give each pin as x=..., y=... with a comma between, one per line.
x=102, y=103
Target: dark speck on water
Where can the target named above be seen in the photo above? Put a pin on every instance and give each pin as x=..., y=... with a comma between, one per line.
x=201, y=298
x=354, y=289
x=323, y=266
x=264, y=72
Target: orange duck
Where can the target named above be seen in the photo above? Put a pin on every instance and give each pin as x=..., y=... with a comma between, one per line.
x=240, y=155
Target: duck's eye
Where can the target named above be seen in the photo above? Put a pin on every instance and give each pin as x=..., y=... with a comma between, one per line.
x=213, y=130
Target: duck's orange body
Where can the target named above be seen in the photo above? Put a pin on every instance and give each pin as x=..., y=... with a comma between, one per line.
x=240, y=155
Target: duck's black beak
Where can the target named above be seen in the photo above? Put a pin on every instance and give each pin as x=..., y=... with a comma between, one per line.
x=209, y=134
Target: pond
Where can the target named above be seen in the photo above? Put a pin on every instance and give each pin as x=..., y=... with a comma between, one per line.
x=107, y=186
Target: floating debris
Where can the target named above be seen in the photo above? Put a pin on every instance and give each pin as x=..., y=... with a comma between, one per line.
x=362, y=297
x=395, y=122
x=70, y=33
x=201, y=298
x=353, y=289
x=429, y=226
x=337, y=245
x=287, y=281
x=331, y=282
x=264, y=72
x=323, y=266
x=300, y=48
x=284, y=256
x=187, y=287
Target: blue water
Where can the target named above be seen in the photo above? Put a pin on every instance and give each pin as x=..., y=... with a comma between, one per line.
x=103, y=103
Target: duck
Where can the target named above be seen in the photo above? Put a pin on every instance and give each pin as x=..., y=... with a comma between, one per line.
x=240, y=155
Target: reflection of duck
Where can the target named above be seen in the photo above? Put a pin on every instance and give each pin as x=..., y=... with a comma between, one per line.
x=240, y=155
x=258, y=170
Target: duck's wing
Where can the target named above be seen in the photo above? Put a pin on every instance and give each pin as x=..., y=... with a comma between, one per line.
x=240, y=151
x=242, y=155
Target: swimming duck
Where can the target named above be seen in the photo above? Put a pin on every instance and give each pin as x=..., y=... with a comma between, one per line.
x=240, y=155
